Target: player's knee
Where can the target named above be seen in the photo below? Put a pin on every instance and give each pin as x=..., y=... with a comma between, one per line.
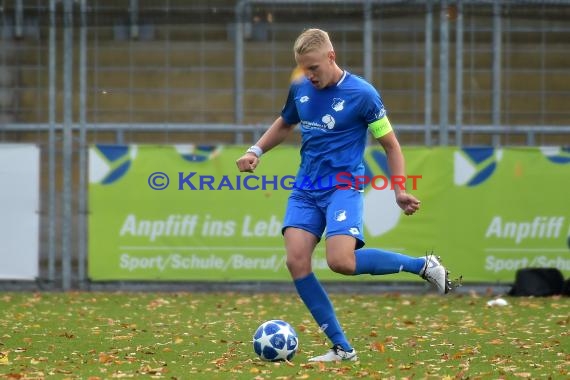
x=298, y=266
x=341, y=266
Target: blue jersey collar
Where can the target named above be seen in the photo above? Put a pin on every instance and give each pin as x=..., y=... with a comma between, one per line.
x=344, y=72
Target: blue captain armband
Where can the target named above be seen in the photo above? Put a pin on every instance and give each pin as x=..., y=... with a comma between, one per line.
x=380, y=127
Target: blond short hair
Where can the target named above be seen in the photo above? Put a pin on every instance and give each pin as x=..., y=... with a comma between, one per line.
x=312, y=40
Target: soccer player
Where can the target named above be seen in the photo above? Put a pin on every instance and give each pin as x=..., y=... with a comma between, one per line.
x=335, y=110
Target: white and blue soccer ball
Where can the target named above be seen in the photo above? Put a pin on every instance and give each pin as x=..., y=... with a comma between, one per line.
x=275, y=340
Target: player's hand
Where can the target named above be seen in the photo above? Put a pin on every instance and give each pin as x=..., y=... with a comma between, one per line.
x=408, y=203
x=247, y=163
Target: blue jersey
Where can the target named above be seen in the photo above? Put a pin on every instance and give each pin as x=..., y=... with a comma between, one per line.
x=334, y=123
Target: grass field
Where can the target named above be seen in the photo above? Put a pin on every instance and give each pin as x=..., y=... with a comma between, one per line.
x=208, y=336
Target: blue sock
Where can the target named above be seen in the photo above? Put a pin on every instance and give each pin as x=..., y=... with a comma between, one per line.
x=376, y=261
x=320, y=306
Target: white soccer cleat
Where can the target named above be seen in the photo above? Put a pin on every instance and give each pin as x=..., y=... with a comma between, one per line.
x=336, y=354
x=436, y=274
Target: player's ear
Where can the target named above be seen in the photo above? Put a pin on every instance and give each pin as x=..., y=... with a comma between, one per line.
x=331, y=56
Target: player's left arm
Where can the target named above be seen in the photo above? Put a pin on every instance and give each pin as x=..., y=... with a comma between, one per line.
x=382, y=131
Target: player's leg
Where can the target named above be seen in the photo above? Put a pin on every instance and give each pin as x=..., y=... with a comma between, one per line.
x=343, y=259
x=377, y=262
x=344, y=226
x=303, y=225
x=300, y=245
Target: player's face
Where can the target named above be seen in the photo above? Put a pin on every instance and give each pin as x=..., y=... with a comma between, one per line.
x=319, y=67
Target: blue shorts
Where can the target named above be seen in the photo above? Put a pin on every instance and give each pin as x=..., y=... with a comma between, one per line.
x=339, y=211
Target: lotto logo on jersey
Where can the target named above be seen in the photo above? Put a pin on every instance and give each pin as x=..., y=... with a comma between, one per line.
x=381, y=113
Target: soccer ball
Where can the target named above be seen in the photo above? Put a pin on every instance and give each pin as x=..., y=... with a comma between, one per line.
x=275, y=340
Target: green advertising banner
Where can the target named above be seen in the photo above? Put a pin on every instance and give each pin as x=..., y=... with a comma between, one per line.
x=185, y=213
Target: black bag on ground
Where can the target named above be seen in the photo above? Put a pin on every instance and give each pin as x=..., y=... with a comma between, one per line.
x=566, y=288
x=538, y=282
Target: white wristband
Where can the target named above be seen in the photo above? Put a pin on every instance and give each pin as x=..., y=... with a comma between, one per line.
x=255, y=150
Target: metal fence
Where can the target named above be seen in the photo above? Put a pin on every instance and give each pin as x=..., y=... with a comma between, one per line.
x=72, y=73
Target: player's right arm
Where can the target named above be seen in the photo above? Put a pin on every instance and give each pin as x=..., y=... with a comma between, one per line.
x=274, y=136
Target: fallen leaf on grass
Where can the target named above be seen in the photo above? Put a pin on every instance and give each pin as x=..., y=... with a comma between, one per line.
x=67, y=335
x=14, y=376
x=468, y=351
x=106, y=358
x=377, y=346
x=122, y=337
x=523, y=374
x=148, y=370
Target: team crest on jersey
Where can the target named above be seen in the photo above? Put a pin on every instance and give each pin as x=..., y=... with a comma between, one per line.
x=338, y=104
x=340, y=215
